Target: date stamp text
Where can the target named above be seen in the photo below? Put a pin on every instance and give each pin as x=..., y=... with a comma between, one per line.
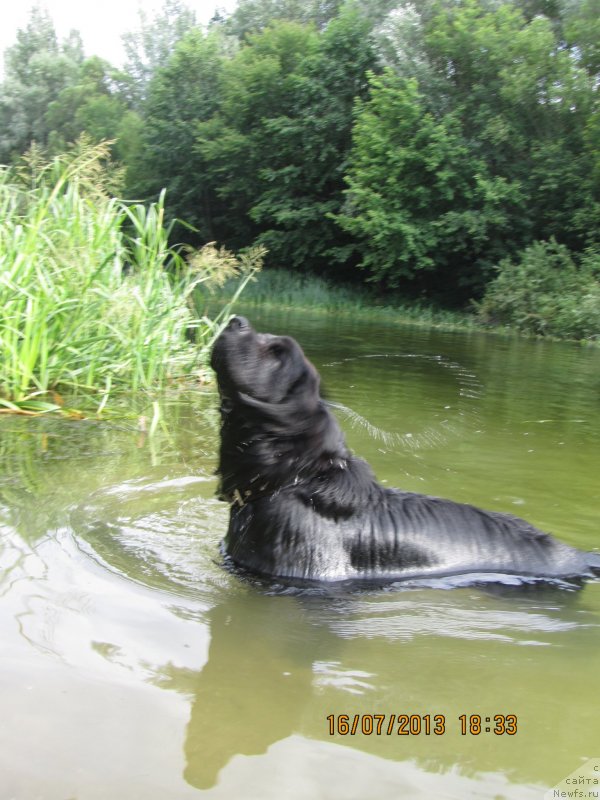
x=420, y=724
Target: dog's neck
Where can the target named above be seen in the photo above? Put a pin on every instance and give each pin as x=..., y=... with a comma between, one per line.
x=309, y=454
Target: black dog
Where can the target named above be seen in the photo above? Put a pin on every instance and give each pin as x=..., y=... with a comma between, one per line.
x=304, y=507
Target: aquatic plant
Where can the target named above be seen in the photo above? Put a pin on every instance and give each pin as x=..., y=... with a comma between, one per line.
x=93, y=298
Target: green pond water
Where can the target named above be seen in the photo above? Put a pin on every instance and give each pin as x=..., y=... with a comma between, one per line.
x=133, y=665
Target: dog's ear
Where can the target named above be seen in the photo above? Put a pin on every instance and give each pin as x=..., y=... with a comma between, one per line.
x=303, y=384
x=301, y=399
x=308, y=384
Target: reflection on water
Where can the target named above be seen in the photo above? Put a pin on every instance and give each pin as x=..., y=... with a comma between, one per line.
x=135, y=665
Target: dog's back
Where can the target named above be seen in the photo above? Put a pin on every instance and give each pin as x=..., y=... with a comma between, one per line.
x=391, y=535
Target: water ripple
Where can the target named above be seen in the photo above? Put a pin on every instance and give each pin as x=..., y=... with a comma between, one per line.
x=461, y=408
x=163, y=534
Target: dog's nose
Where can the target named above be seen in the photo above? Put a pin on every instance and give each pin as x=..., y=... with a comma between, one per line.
x=238, y=323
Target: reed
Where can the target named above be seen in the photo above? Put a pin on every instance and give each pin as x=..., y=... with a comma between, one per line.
x=93, y=299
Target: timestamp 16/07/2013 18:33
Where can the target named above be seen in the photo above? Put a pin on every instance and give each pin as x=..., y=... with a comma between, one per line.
x=419, y=724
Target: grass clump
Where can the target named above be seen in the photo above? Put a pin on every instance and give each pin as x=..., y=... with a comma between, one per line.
x=546, y=293
x=285, y=289
x=93, y=298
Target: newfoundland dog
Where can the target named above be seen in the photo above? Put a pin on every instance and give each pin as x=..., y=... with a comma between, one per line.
x=303, y=507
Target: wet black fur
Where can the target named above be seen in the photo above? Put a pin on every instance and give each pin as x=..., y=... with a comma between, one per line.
x=304, y=507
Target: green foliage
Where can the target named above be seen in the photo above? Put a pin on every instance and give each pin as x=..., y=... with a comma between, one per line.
x=150, y=46
x=276, y=146
x=479, y=139
x=93, y=104
x=416, y=195
x=37, y=69
x=546, y=292
x=422, y=143
x=257, y=85
x=184, y=92
x=52, y=94
x=92, y=296
x=253, y=16
x=582, y=31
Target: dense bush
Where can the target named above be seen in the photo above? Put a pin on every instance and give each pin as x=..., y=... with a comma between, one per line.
x=545, y=291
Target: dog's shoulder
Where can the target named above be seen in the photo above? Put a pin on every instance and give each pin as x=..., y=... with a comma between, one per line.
x=344, y=488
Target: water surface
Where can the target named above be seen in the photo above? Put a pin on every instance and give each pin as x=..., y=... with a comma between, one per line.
x=134, y=665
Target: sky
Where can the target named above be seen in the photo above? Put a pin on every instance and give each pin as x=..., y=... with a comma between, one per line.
x=101, y=24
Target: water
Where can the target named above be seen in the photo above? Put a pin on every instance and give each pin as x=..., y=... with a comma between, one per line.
x=135, y=666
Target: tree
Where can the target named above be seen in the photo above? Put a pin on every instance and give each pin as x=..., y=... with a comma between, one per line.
x=253, y=16
x=275, y=149
x=181, y=94
x=416, y=197
x=37, y=69
x=256, y=85
x=150, y=47
x=582, y=32
x=526, y=103
x=94, y=104
x=309, y=146
x=475, y=143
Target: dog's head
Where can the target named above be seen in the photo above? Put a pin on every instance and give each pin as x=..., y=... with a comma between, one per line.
x=266, y=373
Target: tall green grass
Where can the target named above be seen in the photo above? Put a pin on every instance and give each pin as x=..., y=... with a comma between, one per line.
x=93, y=299
x=285, y=289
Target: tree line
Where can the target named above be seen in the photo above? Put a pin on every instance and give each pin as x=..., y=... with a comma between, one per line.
x=423, y=147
